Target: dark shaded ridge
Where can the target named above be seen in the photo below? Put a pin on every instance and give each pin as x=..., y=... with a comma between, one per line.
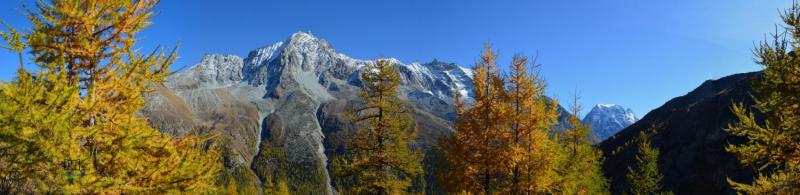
x=689, y=131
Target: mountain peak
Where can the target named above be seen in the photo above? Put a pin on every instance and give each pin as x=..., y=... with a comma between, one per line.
x=608, y=119
x=606, y=106
x=217, y=69
x=442, y=65
x=300, y=35
x=307, y=40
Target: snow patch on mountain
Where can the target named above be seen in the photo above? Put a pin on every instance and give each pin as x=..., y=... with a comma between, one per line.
x=439, y=79
x=266, y=54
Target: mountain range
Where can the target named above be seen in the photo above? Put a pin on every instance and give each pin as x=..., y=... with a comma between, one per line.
x=293, y=96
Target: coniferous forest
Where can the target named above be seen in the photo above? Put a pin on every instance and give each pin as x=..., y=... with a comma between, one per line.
x=90, y=110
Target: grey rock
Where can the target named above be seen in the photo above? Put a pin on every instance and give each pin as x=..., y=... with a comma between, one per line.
x=295, y=94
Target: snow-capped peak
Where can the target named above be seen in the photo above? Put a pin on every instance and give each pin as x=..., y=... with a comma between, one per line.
x=305, y=42
x=608, y=119
x=607, y=105
x=303, y=37
x=316, y=60
x=438, y=79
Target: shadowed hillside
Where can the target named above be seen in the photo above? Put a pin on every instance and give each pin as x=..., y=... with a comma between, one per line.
x=690, y=135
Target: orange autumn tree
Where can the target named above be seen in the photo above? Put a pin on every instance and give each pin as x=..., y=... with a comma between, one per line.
x=71, y=125
x=475, y=151
x=502, y=143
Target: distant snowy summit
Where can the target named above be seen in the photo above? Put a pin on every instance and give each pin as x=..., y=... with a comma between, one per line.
x=608, y=119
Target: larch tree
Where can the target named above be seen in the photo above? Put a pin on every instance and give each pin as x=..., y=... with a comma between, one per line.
x=71, y=125
x=644, y=177
x=502, y=141
x=580, y=168
x=773, y=126
x=533, y=155
x=380, y=159
x=476, y=150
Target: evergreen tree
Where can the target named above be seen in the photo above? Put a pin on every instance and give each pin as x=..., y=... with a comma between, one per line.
x=774, y=137
x=645, y=178
x=434, y=165
x=72, y=125
x=379, y=159
x=580, y=169
x=270, y=166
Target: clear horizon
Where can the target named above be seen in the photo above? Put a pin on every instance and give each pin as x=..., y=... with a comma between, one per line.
x=635, y=54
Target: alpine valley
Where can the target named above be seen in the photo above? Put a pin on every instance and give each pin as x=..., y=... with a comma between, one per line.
x=91, y=104
x=283, y=108
x=293, y=96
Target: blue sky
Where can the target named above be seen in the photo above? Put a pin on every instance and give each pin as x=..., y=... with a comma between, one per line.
x=635, y=53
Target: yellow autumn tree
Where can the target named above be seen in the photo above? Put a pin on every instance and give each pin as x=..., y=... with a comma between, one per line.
x=772, y=124
x=533, y=155
x=476, y=149
x=502, y=143
x=379, y=159
x=71, y=125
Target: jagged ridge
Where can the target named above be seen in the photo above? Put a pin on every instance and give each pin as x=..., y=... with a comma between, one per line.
x=281, y=93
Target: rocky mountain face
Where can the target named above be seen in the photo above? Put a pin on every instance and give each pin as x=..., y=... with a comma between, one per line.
x=608, y=119
x=689, y=131
x=293, y=96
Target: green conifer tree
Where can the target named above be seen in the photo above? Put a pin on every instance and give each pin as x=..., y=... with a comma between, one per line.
x=580, y=168
x=379, y=159
x=645, y=178
x=773, y=144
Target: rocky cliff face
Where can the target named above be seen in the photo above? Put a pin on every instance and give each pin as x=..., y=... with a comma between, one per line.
x=689, y=131
x=293, y=94
x=608, y=119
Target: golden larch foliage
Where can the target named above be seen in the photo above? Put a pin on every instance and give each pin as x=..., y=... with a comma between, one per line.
x=71, y=126
x=772, y=125
x=502, y=142
x=379, y=159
